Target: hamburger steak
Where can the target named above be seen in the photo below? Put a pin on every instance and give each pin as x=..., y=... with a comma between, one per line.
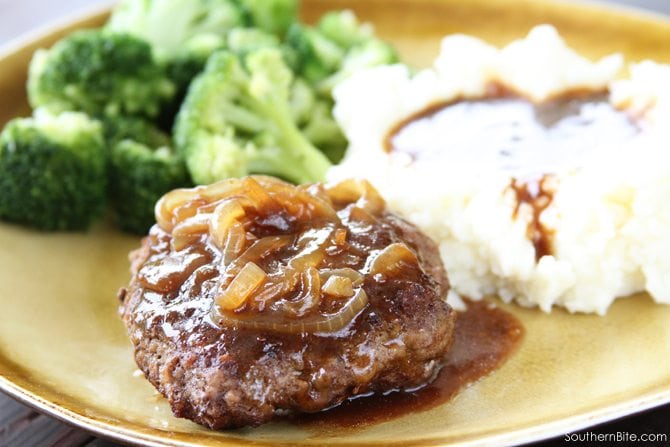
x=253, y=298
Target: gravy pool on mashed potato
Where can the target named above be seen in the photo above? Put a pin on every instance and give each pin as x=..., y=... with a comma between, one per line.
x=572, y=211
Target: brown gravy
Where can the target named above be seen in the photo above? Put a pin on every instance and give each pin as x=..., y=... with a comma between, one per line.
x=484, y=337
x=538, y=194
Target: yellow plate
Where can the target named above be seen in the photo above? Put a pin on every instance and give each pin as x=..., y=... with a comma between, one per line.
x=64, y=351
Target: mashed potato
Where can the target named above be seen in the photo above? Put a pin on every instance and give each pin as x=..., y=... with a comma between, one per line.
x=607, y=214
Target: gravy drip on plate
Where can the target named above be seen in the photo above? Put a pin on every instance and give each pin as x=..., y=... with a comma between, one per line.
x=484, y=337
x=531, y=142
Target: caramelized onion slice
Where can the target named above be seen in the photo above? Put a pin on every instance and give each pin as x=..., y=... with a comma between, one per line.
x=236, y=240
x=226, y=214
x=338, y=286
x=347, y=272
x=180, y=242
x=259, y=249
x=340, y=236
x=169, y=202
x=189, y=231
x=391, y=259
x=255, y=192
x=220, y=190
x=309, y=298
x=326, y=324
x=359, y=191
x=241, y=287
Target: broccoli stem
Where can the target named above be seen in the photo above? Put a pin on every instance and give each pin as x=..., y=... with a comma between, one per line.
x=300, y=161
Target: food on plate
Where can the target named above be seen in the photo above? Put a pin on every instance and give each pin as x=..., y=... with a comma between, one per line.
x=182, y=33
x=542, y=176
x=111, y=79
x=325, y=54
x=271, y=75
x=248, y=112
x=142, y=166
x=99, y=73
x=52, y=171
x=252, y=298
x=237, y=119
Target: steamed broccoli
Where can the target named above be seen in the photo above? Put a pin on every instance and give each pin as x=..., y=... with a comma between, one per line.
x=325, y=55
x=141, y=174
x=183, y=33
x=143, y=167
x=100, y=73
x=313, y=117
x=343, y=28
x=169, y=24
x=336, y=47
x=52, y=171
x=132, y=128
x=191, y=59
x=274, y=16
x=237, y=119
x=322, y=130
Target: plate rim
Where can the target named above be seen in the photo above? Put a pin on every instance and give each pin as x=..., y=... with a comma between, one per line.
x=131, y=436
x=532, y=433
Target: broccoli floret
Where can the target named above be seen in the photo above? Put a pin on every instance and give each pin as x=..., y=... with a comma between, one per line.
x=274, y=16
x=322, y=130
x=313, y=117
x=52, y=171
x=343, y=28
x=140, y=175
x=318, y=56
x=325, y=55
x=244, y=40
x=335, y=48
x=237, y=119
x=368, y=54
x=100, y=73
x=183, y=33
x=133, y=128
x=143, y=167
x=191, y=59
x=168, y=25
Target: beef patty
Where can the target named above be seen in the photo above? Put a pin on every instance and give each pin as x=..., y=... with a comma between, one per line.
x=252, y=298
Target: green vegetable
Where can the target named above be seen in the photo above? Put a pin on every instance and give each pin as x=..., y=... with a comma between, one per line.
x=318, y=56
x=140, y=175
x=244, y=40
x=191, y=59
x=313, y=116
x=52, y=171
x=183, y=33
x=274, y=16
x=169, y=24
x=325, y=55
x=368, y=54
x=337, y=47
x=322, y=130
x=133, y=128
x=344, y=29
x=237, y=119
x=142, y=168
x=100, y=73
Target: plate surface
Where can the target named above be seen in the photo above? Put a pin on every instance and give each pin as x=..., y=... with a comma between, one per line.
x=64, y=350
